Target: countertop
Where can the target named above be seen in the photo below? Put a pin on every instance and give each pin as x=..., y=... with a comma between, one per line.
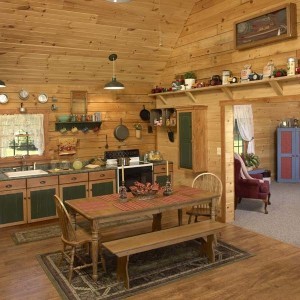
x=3, y=177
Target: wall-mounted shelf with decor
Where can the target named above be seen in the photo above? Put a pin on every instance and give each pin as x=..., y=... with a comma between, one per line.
x=278, y=86
x=79, y=125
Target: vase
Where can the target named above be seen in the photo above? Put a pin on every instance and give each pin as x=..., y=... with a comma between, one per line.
x=189, y=83
x=138, y=133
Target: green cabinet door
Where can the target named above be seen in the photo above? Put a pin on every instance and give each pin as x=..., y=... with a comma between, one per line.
x=185, y=140
x=102, y=188
x=71, y=192
x=162, y=179
x=42, y=203
x=11, y=207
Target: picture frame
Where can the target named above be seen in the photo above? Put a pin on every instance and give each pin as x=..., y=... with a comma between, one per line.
x=273, y=25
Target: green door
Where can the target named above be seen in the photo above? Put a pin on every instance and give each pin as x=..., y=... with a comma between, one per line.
x=11, y=208
x=185, y=140
x=102, y=188
x=42, y=203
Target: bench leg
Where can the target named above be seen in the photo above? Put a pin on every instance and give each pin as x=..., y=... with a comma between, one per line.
x=122, y=270
x=179, y=216
x=156, y=223
x=208, y=247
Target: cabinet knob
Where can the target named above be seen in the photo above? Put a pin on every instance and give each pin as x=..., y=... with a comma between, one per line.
x=8, y=186
x=102, y=175
x=73, y=178
x=42, y=182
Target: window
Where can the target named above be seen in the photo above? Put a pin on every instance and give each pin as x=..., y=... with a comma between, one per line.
x=21, y=134
x=238, y=143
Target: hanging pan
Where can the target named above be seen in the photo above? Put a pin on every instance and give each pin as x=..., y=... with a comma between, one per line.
x=145, y=114
x=121, y=132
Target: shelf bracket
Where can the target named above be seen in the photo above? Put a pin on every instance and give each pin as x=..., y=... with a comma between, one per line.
x=276, y=87
x=190, y=95
x=162, y=99
x=227, y=92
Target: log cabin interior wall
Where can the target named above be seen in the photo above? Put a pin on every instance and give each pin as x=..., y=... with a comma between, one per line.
x=62, y=46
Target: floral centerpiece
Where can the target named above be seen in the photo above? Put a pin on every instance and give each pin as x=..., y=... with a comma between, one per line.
x=144, y=191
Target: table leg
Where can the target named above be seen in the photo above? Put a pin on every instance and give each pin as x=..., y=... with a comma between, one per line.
x=156, y=223
x=95, y=248
x=213, y=209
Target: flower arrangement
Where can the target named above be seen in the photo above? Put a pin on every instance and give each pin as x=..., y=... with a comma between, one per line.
x=251, y=160
x=190, y=75
x=137, y=126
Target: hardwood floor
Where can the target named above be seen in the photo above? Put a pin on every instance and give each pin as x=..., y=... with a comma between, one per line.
x=272, y=273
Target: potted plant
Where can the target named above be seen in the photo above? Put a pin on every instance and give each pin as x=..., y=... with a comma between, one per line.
x=189, y=79
x=138, y=130
x=251, y=160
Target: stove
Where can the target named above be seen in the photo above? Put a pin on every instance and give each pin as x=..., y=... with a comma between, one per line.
x=134, y=155
x=136, y=170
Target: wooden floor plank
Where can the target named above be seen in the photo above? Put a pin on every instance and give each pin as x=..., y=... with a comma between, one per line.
x=271, y=273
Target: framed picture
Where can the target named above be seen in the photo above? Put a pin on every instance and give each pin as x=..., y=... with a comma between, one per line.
x=274, y=25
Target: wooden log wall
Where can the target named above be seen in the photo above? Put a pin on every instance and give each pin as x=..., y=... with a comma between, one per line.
x=113, y=106
x=206, y=46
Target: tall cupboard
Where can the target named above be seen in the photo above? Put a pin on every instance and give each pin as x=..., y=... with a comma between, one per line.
x=288, y=154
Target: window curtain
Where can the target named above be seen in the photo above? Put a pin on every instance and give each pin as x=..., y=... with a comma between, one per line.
x=10, y=125
x=244, y=116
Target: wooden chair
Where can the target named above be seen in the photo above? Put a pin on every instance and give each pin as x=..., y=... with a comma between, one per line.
x=208, y=182
x=76, y=240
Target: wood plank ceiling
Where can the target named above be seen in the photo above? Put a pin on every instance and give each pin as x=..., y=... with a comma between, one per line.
x=68, y=41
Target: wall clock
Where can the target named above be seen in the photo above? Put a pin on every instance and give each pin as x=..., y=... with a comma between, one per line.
x=42, y=98
x=23, y=94
x=3, y=98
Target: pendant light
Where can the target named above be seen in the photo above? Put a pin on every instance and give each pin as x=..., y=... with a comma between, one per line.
x=2, y=84
x=114, y=84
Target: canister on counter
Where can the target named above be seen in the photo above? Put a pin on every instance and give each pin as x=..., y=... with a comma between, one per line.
x=292, y=64
x=225, y=76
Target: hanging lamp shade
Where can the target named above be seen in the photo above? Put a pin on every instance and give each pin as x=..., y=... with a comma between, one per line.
x=2, y=84
x=114, y=84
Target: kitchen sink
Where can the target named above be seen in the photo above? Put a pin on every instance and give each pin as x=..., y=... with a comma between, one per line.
x=25, y=173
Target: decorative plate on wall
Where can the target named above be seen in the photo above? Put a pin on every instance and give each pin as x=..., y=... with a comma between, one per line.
x=3, y=98
x=23, y=94
x=42, y=98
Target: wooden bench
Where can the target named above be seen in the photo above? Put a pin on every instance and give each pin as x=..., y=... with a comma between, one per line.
x=123, y=248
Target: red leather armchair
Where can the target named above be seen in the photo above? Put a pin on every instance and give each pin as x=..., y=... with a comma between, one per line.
x=250, y=188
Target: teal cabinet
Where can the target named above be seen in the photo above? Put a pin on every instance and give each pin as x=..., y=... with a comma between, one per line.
x=192, y=130
x=160, y=175
x=102, y=183
x=73, y=186
x=40, y=198
x=13, y=202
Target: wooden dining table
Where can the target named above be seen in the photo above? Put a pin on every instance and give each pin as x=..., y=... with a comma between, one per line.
x=109, y=208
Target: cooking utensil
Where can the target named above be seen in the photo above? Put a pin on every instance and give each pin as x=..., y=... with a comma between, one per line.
x=106, y=145
x=121, y=132
x=145, y=114
x=123, y=161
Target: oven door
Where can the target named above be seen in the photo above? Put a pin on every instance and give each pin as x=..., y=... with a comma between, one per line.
x=140, y=174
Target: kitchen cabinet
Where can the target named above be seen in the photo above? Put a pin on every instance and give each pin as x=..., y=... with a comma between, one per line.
x=160, y=174
x=73, y=186
x=102, y=183
x=288, y=154
x=192, y=131
x=13, y=202
x=40, y=198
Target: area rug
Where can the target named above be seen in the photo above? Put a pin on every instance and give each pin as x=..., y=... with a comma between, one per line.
x=146, y=270
x=46, y=232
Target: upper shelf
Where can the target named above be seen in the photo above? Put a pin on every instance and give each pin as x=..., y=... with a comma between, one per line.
x=276, y=84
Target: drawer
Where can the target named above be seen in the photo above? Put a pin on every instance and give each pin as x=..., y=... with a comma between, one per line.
x=13, y=184
x=162, y=168
x=42, y=181
x=72, y=178
x=102, y=175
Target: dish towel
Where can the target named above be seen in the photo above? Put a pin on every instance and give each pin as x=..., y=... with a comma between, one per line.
x=67, y=146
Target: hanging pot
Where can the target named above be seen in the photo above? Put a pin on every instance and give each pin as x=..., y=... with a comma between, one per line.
x=121, y=132
x=145, y=114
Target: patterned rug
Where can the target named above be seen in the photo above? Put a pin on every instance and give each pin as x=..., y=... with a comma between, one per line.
x=146, y=270
x=50, y=231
